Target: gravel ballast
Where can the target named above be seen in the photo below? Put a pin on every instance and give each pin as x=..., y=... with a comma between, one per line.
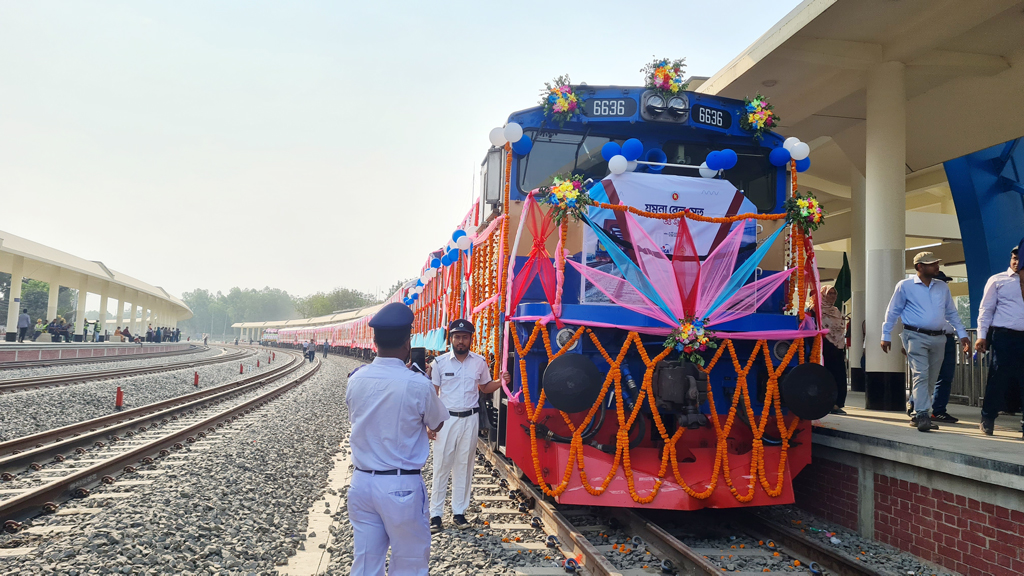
x=11, y=373
x=28, y=412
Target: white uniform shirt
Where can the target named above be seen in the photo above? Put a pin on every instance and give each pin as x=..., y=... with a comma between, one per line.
x=1002, y=305
x=459, y=381
x=390, y=408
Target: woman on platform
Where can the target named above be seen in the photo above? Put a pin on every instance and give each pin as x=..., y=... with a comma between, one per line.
x=833, y=345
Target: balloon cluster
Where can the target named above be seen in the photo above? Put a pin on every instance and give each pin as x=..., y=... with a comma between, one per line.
x=717, y=161
x=622, y=158
x=792, y=149
x=513, y=134
x=460, y=242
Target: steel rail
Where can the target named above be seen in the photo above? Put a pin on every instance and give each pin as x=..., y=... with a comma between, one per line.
x=804, y=548
x=664, y=544
x=593, y=560
x=61, y=361
x=46, y=446
x=35, y=382
x=44, y=498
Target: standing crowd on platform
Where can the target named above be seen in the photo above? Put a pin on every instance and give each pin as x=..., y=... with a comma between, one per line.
x=932, y=329
x=394, y=413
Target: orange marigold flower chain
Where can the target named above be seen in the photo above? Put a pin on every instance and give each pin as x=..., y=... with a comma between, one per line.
x=669, y=454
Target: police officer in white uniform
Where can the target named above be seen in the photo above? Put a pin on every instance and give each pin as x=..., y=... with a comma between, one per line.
x=391, y=410
x=459, y=376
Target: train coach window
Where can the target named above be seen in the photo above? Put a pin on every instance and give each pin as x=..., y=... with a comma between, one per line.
x=556, y=153
x=753, y=174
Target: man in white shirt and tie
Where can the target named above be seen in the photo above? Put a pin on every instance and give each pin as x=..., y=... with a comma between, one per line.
x=924, y=304
x=459, y=376
x=1001, y=318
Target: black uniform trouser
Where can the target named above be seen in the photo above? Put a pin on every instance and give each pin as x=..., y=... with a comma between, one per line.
x=834, y=360
x=21, y=334
x=1006, y=371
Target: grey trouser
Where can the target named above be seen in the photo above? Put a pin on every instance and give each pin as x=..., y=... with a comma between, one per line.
x=925, y=355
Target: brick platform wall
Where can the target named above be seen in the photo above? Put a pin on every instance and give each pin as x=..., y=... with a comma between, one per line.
x=974, y=538
x=828, y=489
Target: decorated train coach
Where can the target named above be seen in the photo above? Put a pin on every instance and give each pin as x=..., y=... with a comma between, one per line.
x=641, y=260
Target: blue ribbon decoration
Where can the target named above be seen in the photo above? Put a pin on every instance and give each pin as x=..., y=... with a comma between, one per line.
x=739, y=277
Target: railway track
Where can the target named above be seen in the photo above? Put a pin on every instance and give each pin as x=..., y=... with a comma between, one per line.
x=140, y=438
x=585, y=549
x=38, y=382
x=63, y=361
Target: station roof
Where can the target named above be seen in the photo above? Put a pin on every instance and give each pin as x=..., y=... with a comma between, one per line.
x=964, y=66
x=44, y=261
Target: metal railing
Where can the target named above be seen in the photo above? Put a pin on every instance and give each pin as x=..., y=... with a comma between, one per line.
x=971, y=375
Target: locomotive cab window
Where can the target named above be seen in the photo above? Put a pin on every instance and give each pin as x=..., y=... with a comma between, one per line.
x=557, y=153
x=753, y=173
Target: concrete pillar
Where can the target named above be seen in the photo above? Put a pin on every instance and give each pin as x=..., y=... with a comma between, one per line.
x=126, y=312
x=885, y=228
x=51, y=303
x=104, y=294
x=83, y=291
x=858, y=276
x=14, y=301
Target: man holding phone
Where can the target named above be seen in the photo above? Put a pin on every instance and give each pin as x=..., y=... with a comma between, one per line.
x=459, y=377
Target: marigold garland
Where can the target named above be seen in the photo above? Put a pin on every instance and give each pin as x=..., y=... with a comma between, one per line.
x=669, y=452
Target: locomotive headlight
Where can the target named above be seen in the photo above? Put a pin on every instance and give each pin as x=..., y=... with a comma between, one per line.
x=677, y=106
x=655, y=104
x=563, y=337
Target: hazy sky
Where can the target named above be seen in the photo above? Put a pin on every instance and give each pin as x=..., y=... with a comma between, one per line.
x=299, y=145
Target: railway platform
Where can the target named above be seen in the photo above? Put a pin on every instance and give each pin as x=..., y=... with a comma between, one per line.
x=954, y=496
x=18, y=355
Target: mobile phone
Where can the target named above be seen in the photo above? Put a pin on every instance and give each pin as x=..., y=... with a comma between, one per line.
x=419, y=360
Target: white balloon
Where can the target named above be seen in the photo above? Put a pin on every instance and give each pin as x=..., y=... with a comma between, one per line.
x=513, y=132
x=464, y=243
x=418, y=289
x=424, y=278
x=451, y=245
x=497, y=137
x=706, y=172
x=618, y=164
x=431, y=272
x=631, y=166
x=800, y=151
x=790, y=142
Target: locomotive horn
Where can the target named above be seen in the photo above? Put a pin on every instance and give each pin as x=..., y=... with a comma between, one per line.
x=572, y=383
x=809, y=391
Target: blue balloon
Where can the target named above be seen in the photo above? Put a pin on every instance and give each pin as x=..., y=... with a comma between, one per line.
x=730, y=158
x=407, y=301
x=610, y=150
x=632, y=149
x=453, y=255
x=803, y=165
x=655, y=155
x=715, y=161
x=458, y=234
x=414, y=297
x=446, y=261
x=435, y=263
x=419, y=282
x=523, y=146
x=779, y=157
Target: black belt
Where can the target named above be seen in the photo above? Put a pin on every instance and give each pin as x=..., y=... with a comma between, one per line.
x=391, y=472
x=464, y=414
x=925, y=332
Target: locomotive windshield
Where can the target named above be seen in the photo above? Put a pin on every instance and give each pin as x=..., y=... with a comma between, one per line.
x=556, y=153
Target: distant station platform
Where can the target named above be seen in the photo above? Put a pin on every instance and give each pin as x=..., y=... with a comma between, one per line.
x=12, y=353
x=953, y=496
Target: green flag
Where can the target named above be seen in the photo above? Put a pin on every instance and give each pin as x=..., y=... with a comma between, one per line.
x=844, y=288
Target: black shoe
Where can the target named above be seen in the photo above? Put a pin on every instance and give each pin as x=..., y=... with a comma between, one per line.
x=461, y=523
x=435, y=525
x=945, y=418
x=838, y=410
x=910, y=409
x=987, y=426
x=924, y=423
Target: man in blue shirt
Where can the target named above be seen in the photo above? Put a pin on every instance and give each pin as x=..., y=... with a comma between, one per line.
x=924, y=304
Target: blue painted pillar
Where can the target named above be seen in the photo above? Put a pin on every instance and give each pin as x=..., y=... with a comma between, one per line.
x=989, y=197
